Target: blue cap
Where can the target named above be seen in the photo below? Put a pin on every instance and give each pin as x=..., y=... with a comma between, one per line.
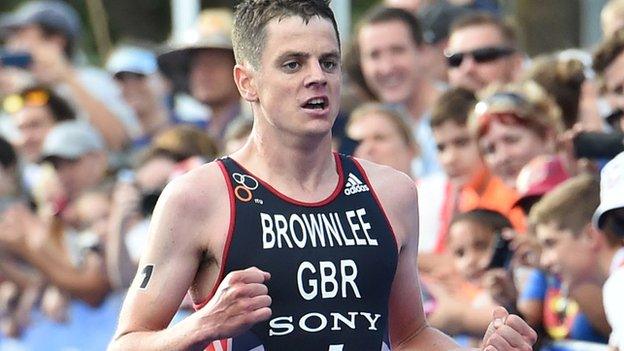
x=49, y=13
x=129, y=59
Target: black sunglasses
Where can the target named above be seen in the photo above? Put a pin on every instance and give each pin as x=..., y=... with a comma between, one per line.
x=481, y=55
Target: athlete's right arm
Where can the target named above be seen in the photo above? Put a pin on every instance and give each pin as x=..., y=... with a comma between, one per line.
x=174, y=251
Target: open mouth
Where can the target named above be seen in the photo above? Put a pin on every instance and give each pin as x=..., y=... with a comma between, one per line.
x=318, y=103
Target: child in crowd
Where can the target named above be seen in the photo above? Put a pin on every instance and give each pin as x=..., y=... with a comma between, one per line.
x=571, y=249
x=481, y=256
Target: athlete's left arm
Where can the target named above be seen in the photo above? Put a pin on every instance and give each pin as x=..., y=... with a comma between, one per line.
x=408, y=327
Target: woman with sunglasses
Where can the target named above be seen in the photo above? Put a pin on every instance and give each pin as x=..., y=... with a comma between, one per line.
x=513, y=124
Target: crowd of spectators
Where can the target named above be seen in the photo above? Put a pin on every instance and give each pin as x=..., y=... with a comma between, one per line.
x=518, y=162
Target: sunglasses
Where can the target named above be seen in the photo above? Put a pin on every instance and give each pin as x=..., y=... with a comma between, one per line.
x=15, y=102
x=482, y=55
x=506, y=107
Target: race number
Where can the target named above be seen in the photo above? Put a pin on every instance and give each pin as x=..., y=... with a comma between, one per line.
x=147, y=274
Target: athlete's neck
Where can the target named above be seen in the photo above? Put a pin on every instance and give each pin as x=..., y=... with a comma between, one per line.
x=302, y=168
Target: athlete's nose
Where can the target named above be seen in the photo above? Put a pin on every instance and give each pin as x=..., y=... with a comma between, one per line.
x=316, y=76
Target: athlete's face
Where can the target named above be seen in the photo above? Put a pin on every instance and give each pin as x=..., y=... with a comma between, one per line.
x=297, y=85
x=472, y=248
x=390, y=61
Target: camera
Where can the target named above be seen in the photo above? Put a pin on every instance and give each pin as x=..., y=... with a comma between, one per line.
x=21, y=60
x=598, y=145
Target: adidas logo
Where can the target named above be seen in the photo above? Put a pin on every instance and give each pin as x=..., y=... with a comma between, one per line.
x=354, y=185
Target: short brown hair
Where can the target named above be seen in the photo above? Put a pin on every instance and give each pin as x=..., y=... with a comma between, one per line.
x=482, y=18
x=608, y=51
x=252, y=16
x=454, y=105
x=562, y=79
x=570, y=206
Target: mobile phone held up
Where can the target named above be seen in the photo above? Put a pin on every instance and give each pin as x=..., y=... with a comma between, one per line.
x=21, y=60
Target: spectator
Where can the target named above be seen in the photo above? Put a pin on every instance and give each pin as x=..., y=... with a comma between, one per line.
x=563, y=79
x=468, y=184
x=52, y=245
x=383, y=136
x=514, y=124
x=437, y=19
x=482, y=49
x=479, y=255
x=201, y=62
x=573, y=250
x=542, y=292
x=49, y=31
x=612, y=17
x=136, y=72
x=34, y=112
x=172, y=153
x=395, y=76
x=609, y=218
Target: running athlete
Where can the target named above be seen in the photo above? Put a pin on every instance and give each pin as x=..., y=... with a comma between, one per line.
x=284, y=245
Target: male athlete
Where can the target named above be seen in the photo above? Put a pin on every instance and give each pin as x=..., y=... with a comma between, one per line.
x=284, y=245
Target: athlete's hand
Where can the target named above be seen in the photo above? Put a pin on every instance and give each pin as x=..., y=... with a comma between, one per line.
x=241, y=301
x=508, y=333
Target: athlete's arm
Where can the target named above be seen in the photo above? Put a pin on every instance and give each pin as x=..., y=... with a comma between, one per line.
x=408, y=327
x=175, y=248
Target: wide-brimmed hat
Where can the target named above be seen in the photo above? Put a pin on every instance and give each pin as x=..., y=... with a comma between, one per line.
x=213, y=30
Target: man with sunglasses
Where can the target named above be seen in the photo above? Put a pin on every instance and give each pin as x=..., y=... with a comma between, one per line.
x=482, y=49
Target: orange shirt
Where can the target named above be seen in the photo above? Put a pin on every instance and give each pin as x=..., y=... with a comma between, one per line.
x=484, y=190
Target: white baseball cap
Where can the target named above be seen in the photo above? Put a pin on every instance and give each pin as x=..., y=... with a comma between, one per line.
x=611, y=188
x=70, y=140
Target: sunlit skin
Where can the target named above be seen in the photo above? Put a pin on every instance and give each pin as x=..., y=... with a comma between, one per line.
x=475, y=76
x=563, y=254
x=33, y=124
x=507, y=148
x=458, y=152
x=471, y=246
x=380, y=141
x=390, y=61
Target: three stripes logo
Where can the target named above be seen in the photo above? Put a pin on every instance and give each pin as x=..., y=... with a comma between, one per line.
x=354, y=185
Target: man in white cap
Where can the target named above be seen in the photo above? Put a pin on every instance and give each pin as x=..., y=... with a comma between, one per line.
x=201, y=63
x=136, y=72
x=78, y=155
x=609, y=218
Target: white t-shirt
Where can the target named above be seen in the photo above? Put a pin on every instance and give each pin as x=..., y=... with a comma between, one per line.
x=612, y=292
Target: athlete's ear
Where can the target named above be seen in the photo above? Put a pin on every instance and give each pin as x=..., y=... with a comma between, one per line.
x=244, y=79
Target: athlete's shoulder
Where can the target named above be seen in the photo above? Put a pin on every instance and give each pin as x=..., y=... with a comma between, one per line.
x=197, y=190
x=387, y=179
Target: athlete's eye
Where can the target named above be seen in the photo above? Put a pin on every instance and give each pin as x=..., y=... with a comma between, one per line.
x=329, y=65
x=291, y=66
